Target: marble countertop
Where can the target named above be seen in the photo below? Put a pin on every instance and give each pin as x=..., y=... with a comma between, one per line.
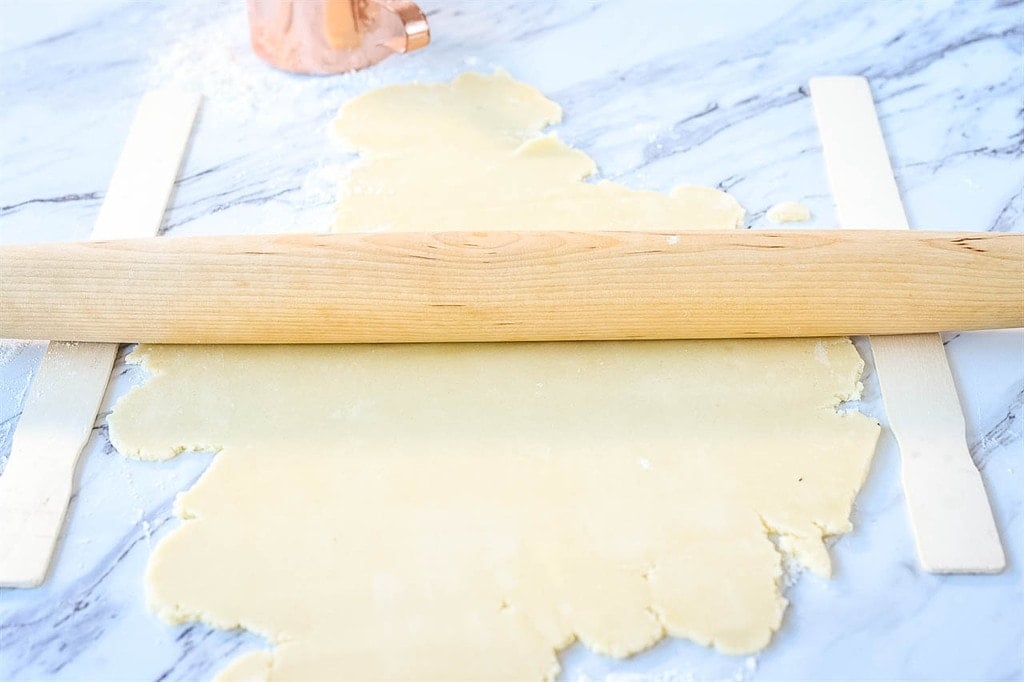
x=659, y=93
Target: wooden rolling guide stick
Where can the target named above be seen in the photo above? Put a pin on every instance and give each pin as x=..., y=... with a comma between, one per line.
x=949, y=510
x=61, y=406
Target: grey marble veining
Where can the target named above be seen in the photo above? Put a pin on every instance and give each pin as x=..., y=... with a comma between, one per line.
x=659, y=93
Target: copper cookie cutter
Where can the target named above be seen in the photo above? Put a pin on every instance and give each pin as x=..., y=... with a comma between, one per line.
x=334, y=36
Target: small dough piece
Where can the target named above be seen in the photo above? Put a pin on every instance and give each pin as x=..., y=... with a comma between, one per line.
x=788, y=212
x=464, y=511
x=251, y=667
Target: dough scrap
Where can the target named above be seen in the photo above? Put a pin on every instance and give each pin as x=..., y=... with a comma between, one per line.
x=788, y=212
x=464, y=511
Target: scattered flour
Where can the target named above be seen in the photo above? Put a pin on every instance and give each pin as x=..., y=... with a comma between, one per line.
x=19, y=361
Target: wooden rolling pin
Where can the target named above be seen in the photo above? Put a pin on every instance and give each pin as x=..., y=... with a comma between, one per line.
x=511, y=286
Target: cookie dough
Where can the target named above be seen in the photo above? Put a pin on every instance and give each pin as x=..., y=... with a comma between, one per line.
x=464, y=511
x=788, y=212
x=471, y=156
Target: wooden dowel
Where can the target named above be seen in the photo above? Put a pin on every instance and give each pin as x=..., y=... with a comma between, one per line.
x=954, y=527
x=510, y=286
x=60, y=407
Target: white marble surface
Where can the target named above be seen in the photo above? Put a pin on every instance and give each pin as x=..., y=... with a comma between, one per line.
x=659, y=93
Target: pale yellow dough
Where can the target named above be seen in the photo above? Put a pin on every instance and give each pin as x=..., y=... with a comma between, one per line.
x=464, y=511
x=470, y=156
x=788, y=212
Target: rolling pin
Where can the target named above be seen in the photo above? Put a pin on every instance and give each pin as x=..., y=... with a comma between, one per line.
x=511, y=286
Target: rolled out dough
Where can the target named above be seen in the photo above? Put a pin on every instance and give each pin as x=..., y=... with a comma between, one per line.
x=464, y=511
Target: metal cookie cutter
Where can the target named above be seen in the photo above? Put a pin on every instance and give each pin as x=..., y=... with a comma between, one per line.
x=334, y=36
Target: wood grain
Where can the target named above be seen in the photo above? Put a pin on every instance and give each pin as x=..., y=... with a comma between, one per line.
x=511, y=286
